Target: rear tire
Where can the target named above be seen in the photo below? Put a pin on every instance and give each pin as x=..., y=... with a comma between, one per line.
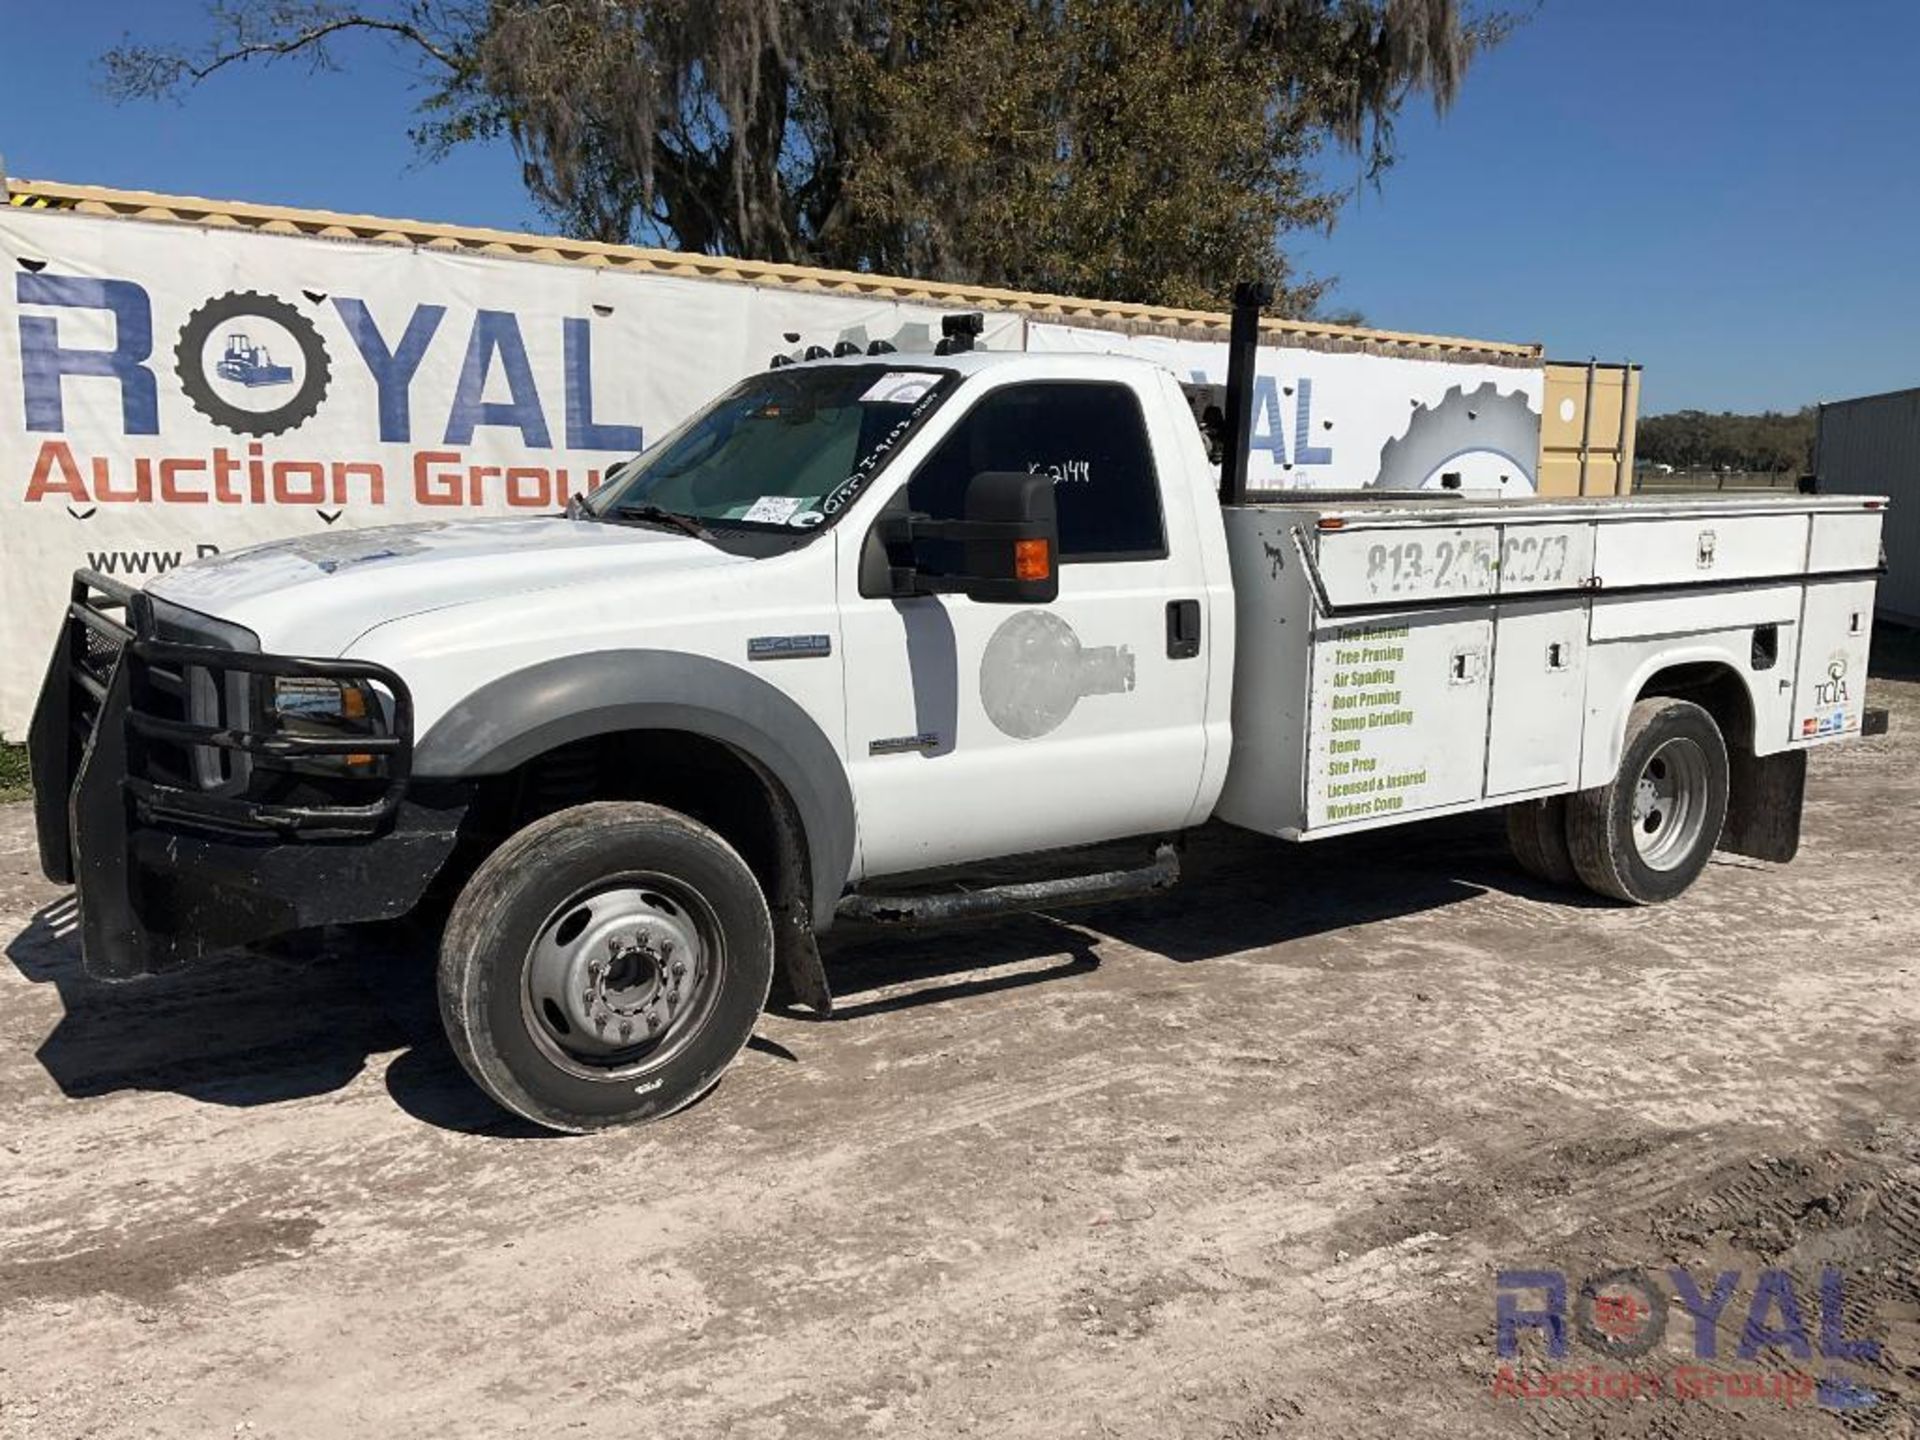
x=1537, y=834
x=604, y=966
x=1646, y=835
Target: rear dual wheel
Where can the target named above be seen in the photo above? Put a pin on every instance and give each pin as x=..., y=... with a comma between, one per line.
x=1646, y=835
x=605, y=965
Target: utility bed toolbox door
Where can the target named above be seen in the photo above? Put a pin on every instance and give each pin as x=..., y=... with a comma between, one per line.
x=1408, y=564
x=1830, y=687
x=1539, y=696
x=1537, y=557
x=1698, y=549
x=1399, y=715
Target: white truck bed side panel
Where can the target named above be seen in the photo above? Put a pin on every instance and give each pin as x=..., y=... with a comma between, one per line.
x=1273, y=645
x=1565, y=652
x=1617, y=671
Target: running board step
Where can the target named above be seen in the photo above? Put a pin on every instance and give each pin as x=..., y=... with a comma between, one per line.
x=940, y=906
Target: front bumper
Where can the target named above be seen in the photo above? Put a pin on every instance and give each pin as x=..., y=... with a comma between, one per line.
x=185, y=824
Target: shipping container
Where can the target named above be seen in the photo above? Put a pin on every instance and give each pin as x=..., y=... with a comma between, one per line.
x=1871, y=446
x=1587, y=428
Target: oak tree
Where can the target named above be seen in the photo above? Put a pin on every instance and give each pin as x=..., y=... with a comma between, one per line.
x=1148, y=150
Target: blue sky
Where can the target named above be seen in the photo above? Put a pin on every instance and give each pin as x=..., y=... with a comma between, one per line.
x=1723, y=190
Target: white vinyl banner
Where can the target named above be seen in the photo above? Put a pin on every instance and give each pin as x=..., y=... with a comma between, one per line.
x=169, y=391
x=1325, y=421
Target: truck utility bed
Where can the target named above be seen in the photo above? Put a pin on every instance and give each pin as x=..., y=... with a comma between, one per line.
x=1429, y=653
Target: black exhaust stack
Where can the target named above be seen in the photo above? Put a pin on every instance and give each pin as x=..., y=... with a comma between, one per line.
x=1250, y=297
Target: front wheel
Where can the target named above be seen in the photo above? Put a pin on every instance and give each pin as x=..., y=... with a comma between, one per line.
x=1646, y=835
x=604, y=965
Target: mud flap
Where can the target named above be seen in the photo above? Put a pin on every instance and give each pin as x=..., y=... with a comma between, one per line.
x=799, y=974
x=1763, y=808
x=52, y=756
x=112, y=941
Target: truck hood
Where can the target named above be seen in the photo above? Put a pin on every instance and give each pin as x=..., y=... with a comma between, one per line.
x=315, y=594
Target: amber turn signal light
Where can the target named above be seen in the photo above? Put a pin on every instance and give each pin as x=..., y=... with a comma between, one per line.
x=1032, y=560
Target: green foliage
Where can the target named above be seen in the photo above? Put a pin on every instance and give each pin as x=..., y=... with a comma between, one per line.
x=1129, y=149
x=1696, y=440
x=14, y=781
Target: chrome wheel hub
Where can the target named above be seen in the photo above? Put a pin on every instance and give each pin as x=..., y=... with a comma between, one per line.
x=1670, y=803
x=617, y=977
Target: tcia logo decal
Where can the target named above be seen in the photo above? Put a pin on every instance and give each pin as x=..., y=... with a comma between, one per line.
x=1833, y=689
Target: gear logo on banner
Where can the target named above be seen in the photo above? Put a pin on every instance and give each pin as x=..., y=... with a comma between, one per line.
x=1481, y=434
x=252, y=363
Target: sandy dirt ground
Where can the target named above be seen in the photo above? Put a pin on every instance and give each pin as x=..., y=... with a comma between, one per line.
x=1243, y=1163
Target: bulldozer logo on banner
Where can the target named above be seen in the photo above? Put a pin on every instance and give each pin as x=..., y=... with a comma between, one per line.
x=225, y=359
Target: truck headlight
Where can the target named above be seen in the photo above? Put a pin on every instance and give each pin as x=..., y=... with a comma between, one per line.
x=309, y=706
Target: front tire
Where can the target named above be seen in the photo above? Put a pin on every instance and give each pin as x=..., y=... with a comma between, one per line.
x=1646, y=835
x=604, y=966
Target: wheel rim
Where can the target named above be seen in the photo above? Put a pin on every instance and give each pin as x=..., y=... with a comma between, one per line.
x=621, y=977
x=1670, y=803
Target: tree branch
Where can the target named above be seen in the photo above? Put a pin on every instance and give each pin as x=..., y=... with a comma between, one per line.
x=150, y=72
x=280, y=49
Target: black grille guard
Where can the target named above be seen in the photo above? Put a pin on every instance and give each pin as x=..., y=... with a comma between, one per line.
x=316, y=821
x=103, y=708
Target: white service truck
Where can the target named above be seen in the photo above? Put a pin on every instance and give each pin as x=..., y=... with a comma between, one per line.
x=867, y=621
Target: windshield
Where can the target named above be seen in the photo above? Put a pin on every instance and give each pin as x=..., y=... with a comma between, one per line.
x=788, y=449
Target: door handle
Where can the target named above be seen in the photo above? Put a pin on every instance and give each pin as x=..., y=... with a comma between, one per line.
x=1183, y=629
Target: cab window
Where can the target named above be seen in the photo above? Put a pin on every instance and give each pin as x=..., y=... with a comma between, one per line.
x=1090, y=437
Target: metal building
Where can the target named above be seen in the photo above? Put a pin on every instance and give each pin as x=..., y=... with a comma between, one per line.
x=1871, y=446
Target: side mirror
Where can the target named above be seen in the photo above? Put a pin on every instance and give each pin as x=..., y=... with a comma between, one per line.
x=1018, y=561
x=1008, y=545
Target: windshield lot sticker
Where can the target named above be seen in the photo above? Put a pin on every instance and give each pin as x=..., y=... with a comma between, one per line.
x=848, y=490
x=806, y=519
x=772, y=509
x=899, y=387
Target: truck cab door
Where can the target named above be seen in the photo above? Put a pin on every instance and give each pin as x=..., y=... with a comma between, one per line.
x=977, y=730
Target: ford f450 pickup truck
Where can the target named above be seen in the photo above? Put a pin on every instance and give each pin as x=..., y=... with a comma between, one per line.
x=869, y=620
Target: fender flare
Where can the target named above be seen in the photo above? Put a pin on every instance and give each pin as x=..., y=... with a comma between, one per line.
x=1698, y=652
x=527, y=712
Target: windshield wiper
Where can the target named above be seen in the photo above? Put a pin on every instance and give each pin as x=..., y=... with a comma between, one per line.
x=672, y=519
x=578, y=509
